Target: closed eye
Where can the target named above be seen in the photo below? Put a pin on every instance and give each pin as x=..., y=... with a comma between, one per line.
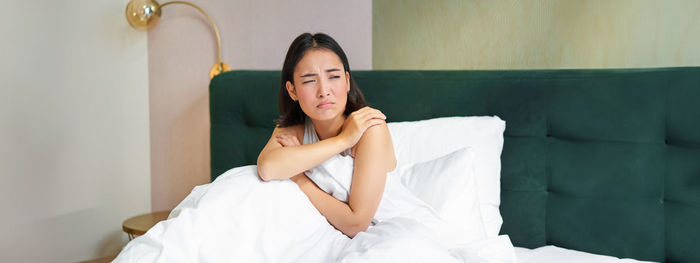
x=335, y=77
x=308, y=81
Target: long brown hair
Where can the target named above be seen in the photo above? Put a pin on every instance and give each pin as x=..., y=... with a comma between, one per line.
x=290, y=111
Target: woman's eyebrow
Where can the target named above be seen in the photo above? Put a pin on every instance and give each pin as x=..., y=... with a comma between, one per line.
x=314, y=74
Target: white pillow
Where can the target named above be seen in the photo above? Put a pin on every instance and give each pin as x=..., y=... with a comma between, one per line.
x=420, y=141
x=447, y=185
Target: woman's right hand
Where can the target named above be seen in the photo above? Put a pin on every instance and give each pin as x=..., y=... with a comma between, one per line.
x=357, y=123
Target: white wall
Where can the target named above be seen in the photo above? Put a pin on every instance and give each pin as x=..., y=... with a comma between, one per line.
x=74, y=129
x=254, y=35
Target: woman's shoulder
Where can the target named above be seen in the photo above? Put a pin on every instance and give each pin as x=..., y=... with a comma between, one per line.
x=380, y=131
x=375, y=136
x=376, y=142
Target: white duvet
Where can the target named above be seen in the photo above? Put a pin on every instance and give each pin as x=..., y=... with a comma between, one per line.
x=239, y=218
x=553, y=254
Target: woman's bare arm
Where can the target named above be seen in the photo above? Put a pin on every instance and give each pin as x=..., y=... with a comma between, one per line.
x=277, y=163
x=374, y=158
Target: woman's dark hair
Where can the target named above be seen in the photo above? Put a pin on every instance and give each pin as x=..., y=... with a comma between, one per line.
x=290, y=111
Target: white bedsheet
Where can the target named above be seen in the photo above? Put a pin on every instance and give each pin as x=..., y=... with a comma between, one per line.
x=238, y=218
x=553, y=254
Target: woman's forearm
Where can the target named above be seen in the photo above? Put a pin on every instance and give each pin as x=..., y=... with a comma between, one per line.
x=339, y=214
x=285, y=162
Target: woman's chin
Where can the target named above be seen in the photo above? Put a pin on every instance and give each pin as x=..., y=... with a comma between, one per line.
x=324, y=114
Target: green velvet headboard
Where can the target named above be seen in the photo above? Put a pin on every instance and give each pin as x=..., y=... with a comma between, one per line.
x=604, y=161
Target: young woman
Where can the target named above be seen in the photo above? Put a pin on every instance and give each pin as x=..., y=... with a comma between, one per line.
x=339, y=152
x=321, y=105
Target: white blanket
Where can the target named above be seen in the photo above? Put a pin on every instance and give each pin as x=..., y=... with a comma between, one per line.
x=239, y=218
x=553, y=254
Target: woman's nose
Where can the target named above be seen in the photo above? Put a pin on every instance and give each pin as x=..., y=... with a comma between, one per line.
x=323, y=89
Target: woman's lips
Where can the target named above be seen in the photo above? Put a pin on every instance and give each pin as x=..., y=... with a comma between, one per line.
x=324, y=105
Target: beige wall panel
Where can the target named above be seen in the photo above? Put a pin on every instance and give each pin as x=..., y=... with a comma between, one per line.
x=531, y=34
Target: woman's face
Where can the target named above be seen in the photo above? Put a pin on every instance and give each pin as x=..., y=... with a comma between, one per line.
x=320, y=85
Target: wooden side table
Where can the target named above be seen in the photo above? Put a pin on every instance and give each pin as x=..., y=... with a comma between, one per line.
x=106, y=259
x=138, y=225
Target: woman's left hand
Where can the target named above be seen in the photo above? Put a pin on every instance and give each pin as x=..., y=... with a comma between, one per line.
x=288, y=140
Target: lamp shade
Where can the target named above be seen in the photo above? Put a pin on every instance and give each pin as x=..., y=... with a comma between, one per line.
x=143, y=14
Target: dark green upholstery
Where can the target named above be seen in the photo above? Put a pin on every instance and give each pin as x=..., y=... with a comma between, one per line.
x=603, y=161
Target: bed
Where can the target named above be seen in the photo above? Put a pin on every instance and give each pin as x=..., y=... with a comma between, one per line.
x=594, y=162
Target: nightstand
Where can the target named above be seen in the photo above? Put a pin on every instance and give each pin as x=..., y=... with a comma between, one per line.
x=106, y=259
x=138, y=225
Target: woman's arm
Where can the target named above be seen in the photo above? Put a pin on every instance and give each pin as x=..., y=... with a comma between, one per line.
x=374, y=158
x=277, y=163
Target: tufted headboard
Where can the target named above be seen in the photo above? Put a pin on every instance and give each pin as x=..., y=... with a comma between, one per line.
x=604, y=161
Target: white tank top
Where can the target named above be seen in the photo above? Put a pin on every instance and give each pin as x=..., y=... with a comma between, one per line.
x=334, y=175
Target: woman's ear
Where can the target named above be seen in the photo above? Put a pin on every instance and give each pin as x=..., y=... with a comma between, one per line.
x=291, y=90
x=347, y=77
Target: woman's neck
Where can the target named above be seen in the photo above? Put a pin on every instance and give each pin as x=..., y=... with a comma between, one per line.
x=329, y=128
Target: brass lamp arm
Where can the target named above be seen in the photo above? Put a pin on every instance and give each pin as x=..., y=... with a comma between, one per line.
x=144, y=14
x=211, y=21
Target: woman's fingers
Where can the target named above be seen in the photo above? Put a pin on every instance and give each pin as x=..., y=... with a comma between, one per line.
x=368, y=113
x=368, y=110
x=373, y=121
x=367, y=117
x=290, y=140
x=287, y=140
x=374, y=116
x=377, y=116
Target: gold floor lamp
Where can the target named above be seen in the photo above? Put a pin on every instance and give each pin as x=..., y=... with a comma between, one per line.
x=144, y=14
